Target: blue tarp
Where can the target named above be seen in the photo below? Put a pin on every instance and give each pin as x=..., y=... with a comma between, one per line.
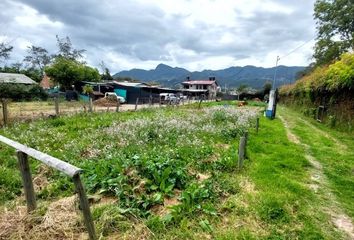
x=84, y=98
x=121, y=92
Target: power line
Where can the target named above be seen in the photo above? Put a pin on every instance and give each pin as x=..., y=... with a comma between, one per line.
x=286, y=55
x=297, y=48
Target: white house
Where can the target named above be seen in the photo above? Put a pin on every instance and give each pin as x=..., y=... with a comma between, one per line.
x=209, y=87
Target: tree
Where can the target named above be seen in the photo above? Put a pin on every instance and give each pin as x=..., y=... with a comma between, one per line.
x=106, y=74
x=242, y=88
x=68, y=71
x=5, y=50
x=335, y=26
x=87, y=89
x=37, y=58
x=90, y=74
x=267, y=87
x=66, y=49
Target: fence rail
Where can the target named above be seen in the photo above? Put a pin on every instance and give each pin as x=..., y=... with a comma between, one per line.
x=74, y=172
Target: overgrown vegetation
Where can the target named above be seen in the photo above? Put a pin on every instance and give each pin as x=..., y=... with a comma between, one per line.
x=140, y=160
x=20, y=92
x=329, y=86
x=172, y=173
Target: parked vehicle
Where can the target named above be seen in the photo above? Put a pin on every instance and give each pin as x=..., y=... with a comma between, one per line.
x=169, y=98
x=114, y=96
x=183, y=97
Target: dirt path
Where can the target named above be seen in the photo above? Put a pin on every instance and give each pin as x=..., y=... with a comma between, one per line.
x=319, y=183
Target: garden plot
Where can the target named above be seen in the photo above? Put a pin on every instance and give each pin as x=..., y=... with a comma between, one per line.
x=160, y=165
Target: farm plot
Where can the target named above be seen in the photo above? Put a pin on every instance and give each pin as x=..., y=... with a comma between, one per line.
x=28, y=111
x=159, y=166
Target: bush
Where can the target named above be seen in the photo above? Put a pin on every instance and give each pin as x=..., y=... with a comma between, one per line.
x=20, y=92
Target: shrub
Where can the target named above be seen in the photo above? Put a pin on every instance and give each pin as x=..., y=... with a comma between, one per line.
x=20, y=92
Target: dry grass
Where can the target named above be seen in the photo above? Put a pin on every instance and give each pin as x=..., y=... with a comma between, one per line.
x=60, y=221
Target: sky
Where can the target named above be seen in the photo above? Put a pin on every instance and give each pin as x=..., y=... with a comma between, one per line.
x=193, y=34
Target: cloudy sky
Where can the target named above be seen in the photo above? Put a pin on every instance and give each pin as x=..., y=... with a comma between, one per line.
x=194, y=34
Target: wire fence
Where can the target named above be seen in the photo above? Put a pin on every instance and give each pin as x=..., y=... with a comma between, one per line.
x=13, y=112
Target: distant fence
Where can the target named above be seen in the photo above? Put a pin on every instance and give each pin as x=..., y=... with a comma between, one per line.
x=25, y=111
x=11, y=112
x=22, y=154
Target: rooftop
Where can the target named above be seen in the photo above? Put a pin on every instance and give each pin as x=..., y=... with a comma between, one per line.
x=130, y=84
x=15, y=78
x=200, y=82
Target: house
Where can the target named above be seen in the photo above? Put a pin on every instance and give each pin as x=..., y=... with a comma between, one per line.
x=209, y=87
x=16, y=78
x=46, y=83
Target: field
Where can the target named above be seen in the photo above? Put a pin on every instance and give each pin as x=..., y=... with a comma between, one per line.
x=27, y=111
x=171, y=173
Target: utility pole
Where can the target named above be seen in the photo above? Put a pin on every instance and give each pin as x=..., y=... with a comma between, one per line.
x=275, y=71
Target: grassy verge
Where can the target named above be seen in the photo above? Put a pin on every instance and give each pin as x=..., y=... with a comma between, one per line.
x=334, y=150
x=275, y=201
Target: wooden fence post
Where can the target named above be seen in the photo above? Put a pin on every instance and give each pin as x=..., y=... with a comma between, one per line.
x=257, y=124
x=85, y=207
x=27, y=180
x=56, y=103
x=241, y=151
x=90, y=104
x=136, y=104
x=246, y=142
x=200, y=103
x=118, y=105
x=5, y=112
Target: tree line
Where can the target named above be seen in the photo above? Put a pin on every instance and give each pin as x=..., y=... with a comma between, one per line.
x=64, y=67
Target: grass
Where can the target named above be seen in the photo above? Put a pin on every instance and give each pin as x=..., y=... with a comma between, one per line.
x=334, y=150
x=275, y=201
x=172, y=174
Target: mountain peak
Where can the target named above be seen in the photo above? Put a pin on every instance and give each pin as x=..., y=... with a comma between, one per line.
x=162, y=66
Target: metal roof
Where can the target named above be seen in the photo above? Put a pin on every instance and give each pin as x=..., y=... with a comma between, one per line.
x=130, y=84
x=96, y=83
x=15, y=78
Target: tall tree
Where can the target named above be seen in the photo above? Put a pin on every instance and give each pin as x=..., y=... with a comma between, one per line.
x=37, y=58
x=67, y=71
x=335, y=29
x=66, y=49
x=106, y=74
x=5, y=50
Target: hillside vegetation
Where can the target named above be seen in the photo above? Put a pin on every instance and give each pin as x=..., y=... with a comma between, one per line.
x=331, y=86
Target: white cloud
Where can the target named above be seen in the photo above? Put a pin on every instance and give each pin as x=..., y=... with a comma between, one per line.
x=195, y=34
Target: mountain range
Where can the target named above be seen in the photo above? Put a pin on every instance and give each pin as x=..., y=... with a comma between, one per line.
x=231, y=77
